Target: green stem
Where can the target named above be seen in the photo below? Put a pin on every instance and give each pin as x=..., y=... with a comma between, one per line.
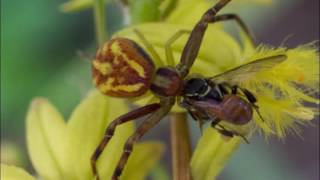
x=100, y=21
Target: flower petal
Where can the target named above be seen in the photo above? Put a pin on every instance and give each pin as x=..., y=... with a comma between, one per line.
x=283, y=90
x=45, y=138
x=86, y=128
x=211, y=154
x=143, y=158
x=14, y=173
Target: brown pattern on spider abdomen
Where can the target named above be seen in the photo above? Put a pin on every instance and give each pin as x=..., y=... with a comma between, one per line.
x=122, y=69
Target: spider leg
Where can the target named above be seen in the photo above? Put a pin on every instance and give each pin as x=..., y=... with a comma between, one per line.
x=149, y=47
x=235, y=17
x=193, y=44
x=169, y=53
x=142, y=111
x=141, y=130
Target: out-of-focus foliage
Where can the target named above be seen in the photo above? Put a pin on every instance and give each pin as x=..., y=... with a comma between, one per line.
x=12, y=172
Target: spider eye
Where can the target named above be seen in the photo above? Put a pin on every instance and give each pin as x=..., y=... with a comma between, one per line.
x=122, y=69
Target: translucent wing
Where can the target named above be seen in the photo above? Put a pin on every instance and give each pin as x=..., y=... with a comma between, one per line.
x=245, y=72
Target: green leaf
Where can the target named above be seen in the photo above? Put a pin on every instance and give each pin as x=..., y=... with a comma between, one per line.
x=211, y=154
x=14, y=173
x=46, y=131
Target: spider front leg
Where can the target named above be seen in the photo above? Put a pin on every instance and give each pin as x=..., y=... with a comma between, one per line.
x=193, y=44
x=239, y=21
x=112, y=127
x=169, y=53
x=149, y=47
x=141, y=130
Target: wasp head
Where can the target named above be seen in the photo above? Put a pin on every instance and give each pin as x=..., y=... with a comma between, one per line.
x=196, y=88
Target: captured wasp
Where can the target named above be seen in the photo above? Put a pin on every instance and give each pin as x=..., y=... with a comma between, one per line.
x=123, y=69
x=217, y=98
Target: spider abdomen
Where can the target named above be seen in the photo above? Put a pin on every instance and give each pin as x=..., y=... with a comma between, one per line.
x=122, y=69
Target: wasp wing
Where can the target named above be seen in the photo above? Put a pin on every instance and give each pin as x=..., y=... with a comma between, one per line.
x=244, y=72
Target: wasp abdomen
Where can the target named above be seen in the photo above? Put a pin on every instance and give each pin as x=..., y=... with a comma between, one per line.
x=236, y=110
x=232, y=109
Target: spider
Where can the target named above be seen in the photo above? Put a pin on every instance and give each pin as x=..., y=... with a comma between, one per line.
x=123, y=69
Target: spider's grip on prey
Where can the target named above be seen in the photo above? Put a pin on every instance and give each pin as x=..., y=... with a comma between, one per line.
x=124, y=69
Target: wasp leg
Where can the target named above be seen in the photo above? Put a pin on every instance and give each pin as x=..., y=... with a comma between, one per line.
x=196, y=115
x=252, y=100
x=234, y=90
x=223, y=89
x=222, y=130
x=239, y=21
x=112, y=127
x=150, y=48
x=193, y=114
x=169, y=53
x=141, y=130
x=215, y=122
x=197, y=118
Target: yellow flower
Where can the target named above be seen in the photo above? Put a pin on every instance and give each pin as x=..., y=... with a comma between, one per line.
x=282, y=92
x=60, y=150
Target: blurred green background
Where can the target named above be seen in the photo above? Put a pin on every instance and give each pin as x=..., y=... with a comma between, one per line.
x=40, y=57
